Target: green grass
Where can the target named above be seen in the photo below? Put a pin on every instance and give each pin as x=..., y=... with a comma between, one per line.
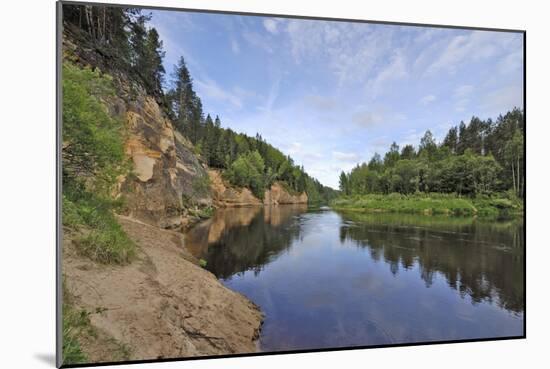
x=429, y=204
x=99, y=236
x=75, y=323
x=203, y=263
x=93, y=161
x=77, y=328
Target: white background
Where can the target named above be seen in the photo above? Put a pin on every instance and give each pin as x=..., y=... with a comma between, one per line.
x=27, y=182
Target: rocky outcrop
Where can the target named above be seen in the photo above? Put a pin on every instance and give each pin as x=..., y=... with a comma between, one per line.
x=224, y=195
x=278, y=195
x=161, y=186
x=165, y=167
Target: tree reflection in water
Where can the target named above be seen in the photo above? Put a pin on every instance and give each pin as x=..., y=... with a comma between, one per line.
x=482, y=259
x=235, y=240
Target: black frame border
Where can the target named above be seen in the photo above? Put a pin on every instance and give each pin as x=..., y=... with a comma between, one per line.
x=59, y=228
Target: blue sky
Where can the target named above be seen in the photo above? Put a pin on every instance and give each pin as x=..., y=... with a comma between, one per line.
x=331, y=94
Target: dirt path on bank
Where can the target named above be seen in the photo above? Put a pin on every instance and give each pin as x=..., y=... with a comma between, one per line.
x=161, y=305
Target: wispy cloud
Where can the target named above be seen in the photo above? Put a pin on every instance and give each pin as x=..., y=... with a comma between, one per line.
x=320, y=102
x=394, y=71
x=428, y=99
x=367, y=118
x=211, y=89
x=255, y=39
x=272, y=25
x=345, y=156
x=235, y=46
x=469, y=47
x=462, y=97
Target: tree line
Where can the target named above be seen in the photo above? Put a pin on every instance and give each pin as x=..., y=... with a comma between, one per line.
x=479, y=158
x=123, y=37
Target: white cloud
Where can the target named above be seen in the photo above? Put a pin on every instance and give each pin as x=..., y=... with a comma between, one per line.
x=321, y=102
x=503, y=99
x=257, y=40
x=352, y=51
x=511, y=63
x=463, y=91
x=271, y=25
x=345, y=156
x=210, y=88
x=235, y=46
x=294, y=148
x=465, y=48
x=367, y=118
x=428, y=99
x=395, y=70
x=462, y=97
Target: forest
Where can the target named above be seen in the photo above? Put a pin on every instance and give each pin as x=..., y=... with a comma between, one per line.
x=480, y=158
x=135, y=49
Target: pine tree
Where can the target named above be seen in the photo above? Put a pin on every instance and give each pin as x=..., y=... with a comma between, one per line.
x=154, y=54
x=451, y=140
x=183, y=101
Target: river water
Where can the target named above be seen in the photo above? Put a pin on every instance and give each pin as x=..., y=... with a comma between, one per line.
x=333, y=279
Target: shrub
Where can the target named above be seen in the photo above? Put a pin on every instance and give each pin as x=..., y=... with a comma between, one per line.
x=248, y=171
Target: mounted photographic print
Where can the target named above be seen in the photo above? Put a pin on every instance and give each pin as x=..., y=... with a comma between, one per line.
x=241, y=184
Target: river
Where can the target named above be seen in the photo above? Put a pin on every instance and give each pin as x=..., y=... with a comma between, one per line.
x=333, y=279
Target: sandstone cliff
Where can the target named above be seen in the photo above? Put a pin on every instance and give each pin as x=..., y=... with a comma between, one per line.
x=278, y=195
x=224, y=195
x=165, y=168
x=160, y=188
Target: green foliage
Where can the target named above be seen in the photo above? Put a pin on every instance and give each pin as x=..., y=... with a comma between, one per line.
x=497, y=205
x=478, y=159
x=203, y=212
x=201, y=185
x=92, y=138
x=416, y=203
x=93, y=159
x=100, y=237
x=247, y=171
x=203, y=263
x=75, y=324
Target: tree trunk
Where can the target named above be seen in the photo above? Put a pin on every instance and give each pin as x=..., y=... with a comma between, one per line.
x=80, y=17
x=518, y=182
x=514, y=179
x=104, y=20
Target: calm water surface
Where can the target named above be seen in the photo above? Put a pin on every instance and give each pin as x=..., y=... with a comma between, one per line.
x=329, y=279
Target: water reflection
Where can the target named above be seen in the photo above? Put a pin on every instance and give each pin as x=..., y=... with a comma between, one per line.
x=478, y=258
x=327, y=279
x=238, y=239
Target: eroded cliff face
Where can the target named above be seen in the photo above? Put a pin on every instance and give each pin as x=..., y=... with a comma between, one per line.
x=160, y=188
x=225, y=195
x=278, y=195
x=164, y=166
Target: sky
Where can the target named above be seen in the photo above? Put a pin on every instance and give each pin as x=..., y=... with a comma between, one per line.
x=331, y=94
